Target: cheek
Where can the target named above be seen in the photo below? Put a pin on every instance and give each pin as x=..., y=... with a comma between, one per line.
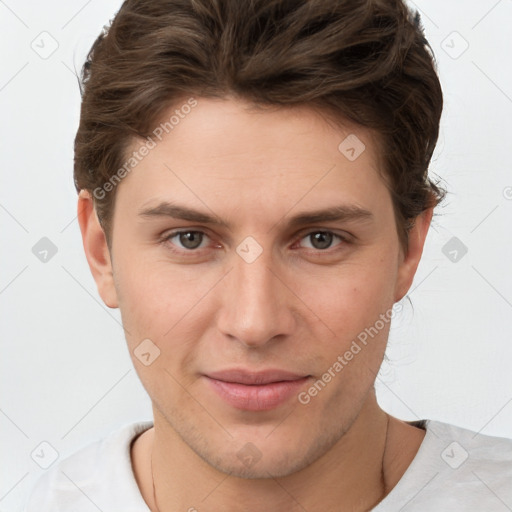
x=357, y=308
x=168, y=306
x=160, y=313
x=352, y=298
x=153, y=296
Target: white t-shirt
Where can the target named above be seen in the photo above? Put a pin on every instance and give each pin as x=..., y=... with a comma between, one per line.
x=454, y=470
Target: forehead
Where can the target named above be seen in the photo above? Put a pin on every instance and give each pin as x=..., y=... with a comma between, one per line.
x=232, y=153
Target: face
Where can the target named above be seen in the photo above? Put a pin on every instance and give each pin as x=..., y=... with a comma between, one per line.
x=254, y=256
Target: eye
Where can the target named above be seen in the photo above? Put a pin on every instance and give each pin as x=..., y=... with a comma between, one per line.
x=321, y=240
x=188, y=240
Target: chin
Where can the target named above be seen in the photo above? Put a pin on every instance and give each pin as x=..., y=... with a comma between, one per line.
x=263, y=459
x=264, y=468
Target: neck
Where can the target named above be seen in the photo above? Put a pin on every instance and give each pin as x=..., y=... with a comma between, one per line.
x=354, y=471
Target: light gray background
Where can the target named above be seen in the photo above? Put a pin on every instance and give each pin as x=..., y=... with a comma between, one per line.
x=65, y=372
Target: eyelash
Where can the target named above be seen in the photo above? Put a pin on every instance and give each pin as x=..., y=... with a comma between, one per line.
x=169, y=236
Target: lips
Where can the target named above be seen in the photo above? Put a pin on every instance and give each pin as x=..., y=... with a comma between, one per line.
x=254, y=378
x=256, y=391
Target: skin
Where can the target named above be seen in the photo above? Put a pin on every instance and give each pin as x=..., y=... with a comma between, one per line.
x=296, y=307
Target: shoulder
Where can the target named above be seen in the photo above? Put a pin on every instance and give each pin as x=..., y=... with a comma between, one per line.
x=95, y=477
x=470, y=449
x=455, y=468
x=475, y=469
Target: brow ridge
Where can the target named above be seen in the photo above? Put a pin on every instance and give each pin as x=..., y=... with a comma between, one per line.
x=330, y=214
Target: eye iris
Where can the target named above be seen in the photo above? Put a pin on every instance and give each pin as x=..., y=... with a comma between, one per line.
x=321, y=240
x=191, y=239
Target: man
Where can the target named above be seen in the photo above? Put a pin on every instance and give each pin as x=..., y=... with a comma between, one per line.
x=254, y=198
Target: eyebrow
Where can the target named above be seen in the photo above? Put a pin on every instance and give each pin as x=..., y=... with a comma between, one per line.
x=334, y=213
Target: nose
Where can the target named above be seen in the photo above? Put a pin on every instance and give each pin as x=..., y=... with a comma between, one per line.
x=257, y=306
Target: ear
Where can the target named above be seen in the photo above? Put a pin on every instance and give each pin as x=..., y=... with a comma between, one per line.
x=410, y=261
x=96, y=249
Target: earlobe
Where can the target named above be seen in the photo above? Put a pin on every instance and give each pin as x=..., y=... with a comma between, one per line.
x=96, y=249
x=410, y=260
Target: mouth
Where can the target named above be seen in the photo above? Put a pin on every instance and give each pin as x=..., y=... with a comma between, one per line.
x=256, y=391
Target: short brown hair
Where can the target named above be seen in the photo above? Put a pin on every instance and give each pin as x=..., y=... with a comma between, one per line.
x=366, y=61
